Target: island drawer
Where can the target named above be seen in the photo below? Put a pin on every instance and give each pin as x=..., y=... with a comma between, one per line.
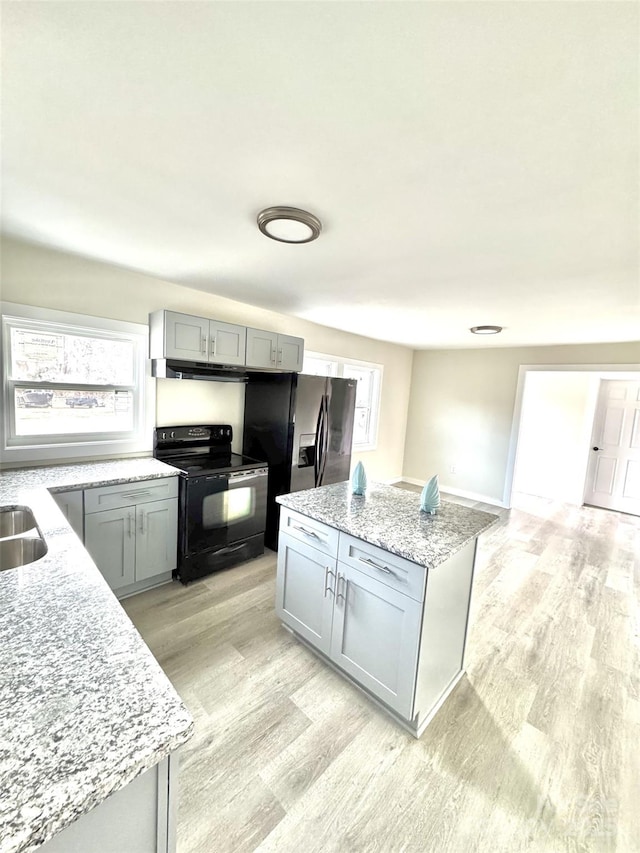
x=394, y=571
x=311, y=532
x=129, y=494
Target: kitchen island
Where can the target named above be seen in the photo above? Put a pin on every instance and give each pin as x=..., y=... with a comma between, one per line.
x=85, y=708
x=381, y=590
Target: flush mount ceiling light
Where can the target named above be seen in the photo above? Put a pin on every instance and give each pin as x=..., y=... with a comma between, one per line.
x=289, y=224
x=485, y=330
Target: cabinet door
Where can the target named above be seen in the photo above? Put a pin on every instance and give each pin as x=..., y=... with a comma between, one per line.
x=304, y=591
x=71, y=505
x=290, y=353
x=227, y=343
x=186, y=337
x=110, y=539
x=262, y=348
x=376, y=636
x=156, y=538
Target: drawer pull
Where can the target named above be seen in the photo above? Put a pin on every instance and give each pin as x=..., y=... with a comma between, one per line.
x=369, y=562
x=134, y=494
x=307, y=532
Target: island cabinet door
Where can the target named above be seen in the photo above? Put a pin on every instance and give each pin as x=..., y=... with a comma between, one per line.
x=304, y=591
x=375, y=637
x=110, y=539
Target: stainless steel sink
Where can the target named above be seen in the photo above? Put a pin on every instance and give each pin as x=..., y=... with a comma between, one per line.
x=20, y=552
x=15, y=520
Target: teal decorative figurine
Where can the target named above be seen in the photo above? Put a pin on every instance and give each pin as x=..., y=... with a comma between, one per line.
x=359, y=480
x=430, y=497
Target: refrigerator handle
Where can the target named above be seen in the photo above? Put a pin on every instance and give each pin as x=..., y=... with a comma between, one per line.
x=318, y=444
x=325, y=439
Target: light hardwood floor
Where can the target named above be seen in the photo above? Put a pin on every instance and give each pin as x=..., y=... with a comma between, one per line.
x=535, y=750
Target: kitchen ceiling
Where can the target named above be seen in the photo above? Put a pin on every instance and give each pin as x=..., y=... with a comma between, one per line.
x=471, y=163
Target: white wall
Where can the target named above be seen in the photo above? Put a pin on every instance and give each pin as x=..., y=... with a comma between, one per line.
x=34, y=275
x=462, y=405
x=555, y=431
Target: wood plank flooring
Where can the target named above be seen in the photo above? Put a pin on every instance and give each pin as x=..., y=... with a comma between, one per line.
x=535, y=750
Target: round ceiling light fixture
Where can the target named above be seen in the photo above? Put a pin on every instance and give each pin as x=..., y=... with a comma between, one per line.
x=486, y=330
x=289, y=224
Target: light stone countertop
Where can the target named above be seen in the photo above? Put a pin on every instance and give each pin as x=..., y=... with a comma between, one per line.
x=84, y=705
x=391, y=519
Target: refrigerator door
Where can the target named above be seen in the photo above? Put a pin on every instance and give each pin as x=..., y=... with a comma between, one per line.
x=310, y=432
x=341, y=404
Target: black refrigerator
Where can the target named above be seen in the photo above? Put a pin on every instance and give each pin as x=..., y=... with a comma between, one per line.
x=303, y=427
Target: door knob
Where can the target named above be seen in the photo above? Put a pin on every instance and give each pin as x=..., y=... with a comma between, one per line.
x=595, y=448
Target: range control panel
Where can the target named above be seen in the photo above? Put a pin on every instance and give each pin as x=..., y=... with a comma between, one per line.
x=194, y=435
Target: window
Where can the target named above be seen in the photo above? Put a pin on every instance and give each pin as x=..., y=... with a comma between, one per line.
x=369, y=378
x=73, y=385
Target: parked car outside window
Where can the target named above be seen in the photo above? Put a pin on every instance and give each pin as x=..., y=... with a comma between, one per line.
x=85, y=402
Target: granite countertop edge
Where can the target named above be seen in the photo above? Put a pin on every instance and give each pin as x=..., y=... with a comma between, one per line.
x=81, y=690
x=390, y=518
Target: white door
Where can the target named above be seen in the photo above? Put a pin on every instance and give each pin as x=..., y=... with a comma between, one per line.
x=613, y=474
x=376, y=636
x=304, y=591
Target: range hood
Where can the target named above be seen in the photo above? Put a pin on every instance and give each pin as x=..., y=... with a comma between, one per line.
x=169, y=368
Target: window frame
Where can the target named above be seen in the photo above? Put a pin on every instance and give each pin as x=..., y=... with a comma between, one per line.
x=79, y=445
x=341, y=363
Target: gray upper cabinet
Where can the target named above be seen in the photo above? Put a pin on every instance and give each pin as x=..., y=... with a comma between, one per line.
x=189, y=338
x=271, y=350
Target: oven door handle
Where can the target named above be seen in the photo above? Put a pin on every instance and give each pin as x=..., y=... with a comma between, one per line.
x=242, y=478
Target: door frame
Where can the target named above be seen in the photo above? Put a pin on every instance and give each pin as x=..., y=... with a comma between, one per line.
x=604, y=371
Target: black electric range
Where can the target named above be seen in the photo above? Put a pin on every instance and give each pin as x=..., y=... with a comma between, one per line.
x=222, y=498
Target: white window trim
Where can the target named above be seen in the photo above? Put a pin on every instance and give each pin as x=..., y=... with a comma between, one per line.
x=341, y=361
x=87, y=445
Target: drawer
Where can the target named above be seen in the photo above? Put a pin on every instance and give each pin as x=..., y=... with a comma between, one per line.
x=396, y=572
x=320, y=536
x=129, y=494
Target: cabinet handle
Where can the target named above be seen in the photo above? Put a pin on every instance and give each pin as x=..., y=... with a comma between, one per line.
x=307, y=532
x=213, y=346
x=273, y=356
x=131, y=524
x=204, y=345
x=376, y=566
x=134, y=494
x=280, y=356
x=327, y=588
x=344, y=586
x=143, y=521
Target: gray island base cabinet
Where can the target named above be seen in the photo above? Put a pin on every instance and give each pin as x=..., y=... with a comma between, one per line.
x=139, y=818
x=395, y=628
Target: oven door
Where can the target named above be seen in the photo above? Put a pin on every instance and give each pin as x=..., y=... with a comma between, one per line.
x=221, y=509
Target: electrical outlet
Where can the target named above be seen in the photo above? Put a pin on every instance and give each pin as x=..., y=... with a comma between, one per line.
x=452, y=469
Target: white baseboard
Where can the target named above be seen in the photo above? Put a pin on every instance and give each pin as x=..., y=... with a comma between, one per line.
x=393, y=480
x=458, y=493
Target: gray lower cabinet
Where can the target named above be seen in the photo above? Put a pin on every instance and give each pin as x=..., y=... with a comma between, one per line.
x=71, y=505
x=139, y=818
x=133, y=538
x=392, y=627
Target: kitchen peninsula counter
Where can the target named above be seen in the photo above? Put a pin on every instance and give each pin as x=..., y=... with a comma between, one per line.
x=85, y=708
x=381, y=590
